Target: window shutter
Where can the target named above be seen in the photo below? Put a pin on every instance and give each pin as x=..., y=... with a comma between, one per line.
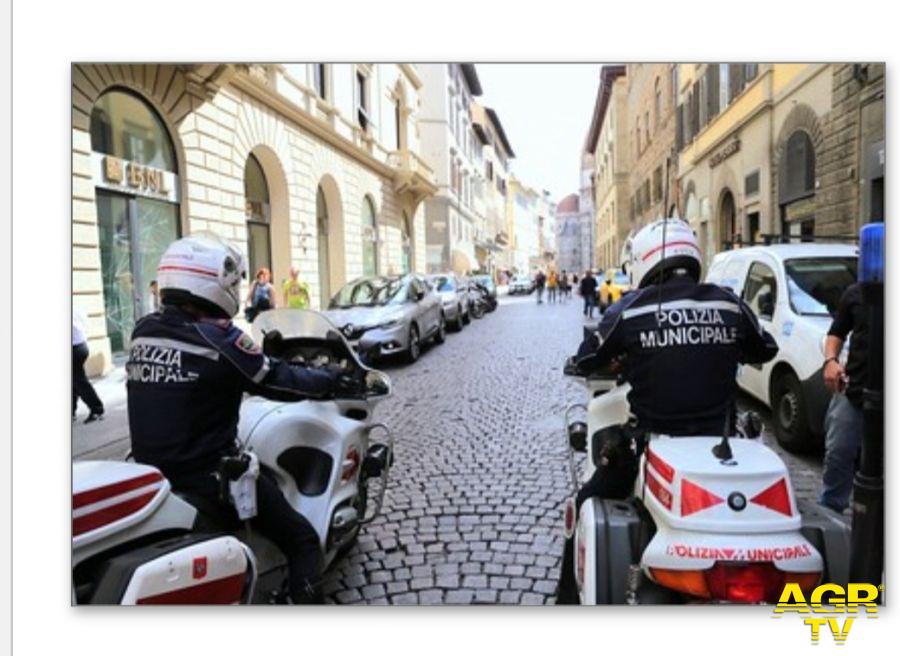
x=735, y=79
x=712, y=90
x=679, y=128
x=695, y=107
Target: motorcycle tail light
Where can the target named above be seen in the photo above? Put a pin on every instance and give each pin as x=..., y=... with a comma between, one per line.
x=740, y=583
x=689, y=581
x=570, y=517
x=350, y=465
x=745, y=583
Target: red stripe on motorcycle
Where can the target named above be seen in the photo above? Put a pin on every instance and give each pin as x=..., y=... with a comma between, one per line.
x=661, y=466
x=111, y=513
x=695, y=498
x=658, y=489
x=228, y=590
x=775, y=497
x=96, y=494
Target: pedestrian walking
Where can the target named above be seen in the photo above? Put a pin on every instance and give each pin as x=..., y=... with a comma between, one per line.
x=540, y=280
x=588, y=289
x=261, y=296
x=844, y=418
x=81, y=386
x=296, y=293
x=552, y=287
x=565, y=288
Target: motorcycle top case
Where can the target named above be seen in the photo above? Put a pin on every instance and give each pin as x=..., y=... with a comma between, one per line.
x=707, y=509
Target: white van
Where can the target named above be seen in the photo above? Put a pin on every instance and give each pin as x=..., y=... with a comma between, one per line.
x=793, y=289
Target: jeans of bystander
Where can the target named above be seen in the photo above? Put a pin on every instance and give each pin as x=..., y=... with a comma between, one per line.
x=843, y=438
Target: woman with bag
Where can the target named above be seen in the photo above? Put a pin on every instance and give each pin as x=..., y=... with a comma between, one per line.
x=261, y=296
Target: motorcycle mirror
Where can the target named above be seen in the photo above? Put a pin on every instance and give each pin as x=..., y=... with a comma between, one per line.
x=334, y=337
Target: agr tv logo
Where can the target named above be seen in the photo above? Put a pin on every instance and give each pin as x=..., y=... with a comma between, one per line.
x=829, y=600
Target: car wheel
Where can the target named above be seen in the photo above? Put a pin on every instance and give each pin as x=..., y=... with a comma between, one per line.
x=477, y=311
x=414, y=348
x=466, y=317
x=458, y=322
x=441, y=333
x=789, y=414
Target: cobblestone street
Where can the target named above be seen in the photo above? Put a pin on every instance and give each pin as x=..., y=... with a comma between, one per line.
x=473, y=513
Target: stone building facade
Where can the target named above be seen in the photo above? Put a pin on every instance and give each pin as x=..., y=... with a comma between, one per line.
x=851, y=168
x=608, y=142
x=651, y=129
x=749, y=137
x=575, y=223
x=453, y=150
x=311, y=165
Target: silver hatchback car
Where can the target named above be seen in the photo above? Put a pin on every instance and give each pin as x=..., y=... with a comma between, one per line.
x=387, y=315
x=453, y=293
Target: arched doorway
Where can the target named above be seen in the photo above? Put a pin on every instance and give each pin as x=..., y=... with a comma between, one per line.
x=797, y=186
x=322, y=247
x=727, y=217
x=137, y=203
x=330, y=239
x=369, y=227
x=406, y=243
x=259, y=215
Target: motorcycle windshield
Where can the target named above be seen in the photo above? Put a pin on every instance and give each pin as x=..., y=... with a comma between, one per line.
x=292, y=324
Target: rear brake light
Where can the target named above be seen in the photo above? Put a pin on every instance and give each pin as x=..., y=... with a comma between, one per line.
x=570, y=518
x=350, y=464
x=695, y=498
x=742, y=583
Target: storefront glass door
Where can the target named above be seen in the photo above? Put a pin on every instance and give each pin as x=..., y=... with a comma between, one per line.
x=134, y=232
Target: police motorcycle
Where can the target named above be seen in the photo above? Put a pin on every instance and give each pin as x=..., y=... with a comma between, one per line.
x=711, y=518
x=135, y=541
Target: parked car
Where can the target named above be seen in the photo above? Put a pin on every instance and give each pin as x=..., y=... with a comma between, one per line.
x=487, y=282
x=454, y=298
x=793, y=289
x=521, y=285
x=387, y=315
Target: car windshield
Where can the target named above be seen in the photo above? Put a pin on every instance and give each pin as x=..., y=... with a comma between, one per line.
x=367, y=292
x=622, y=279
x=815, y=285
x=487, y=281
x=443, y=283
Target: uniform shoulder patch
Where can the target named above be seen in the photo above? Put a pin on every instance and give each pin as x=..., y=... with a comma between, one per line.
x=246, y=344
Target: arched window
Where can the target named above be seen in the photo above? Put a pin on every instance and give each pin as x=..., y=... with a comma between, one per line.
x=798, y=168
x=256, y=198
x=406, y=239
x=369, y=238
x=135, y=222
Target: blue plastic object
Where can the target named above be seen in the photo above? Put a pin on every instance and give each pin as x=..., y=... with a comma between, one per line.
x=871, y=253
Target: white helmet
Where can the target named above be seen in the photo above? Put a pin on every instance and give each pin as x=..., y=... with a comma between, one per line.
x=645, y=257
x=203, y=268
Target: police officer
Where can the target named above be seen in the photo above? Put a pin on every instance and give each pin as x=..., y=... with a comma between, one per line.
x=188, y=369
x=678, y=343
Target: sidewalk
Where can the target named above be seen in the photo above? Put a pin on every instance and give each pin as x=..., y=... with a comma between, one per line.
x=106, y=439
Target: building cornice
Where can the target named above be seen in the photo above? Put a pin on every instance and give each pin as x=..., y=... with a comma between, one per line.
x=272, y=99
x=412, y=75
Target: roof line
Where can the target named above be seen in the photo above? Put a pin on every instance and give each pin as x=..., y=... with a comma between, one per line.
x=472, y=81
x=493, y=118
x=608, y=75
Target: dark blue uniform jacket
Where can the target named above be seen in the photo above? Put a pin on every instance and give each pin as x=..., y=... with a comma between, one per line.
x=683, y=343
x=186, y=378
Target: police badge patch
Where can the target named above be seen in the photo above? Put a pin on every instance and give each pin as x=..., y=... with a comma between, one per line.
x=245, y=343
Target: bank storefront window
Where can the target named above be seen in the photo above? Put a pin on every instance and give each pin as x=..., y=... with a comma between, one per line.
x=134, y=170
